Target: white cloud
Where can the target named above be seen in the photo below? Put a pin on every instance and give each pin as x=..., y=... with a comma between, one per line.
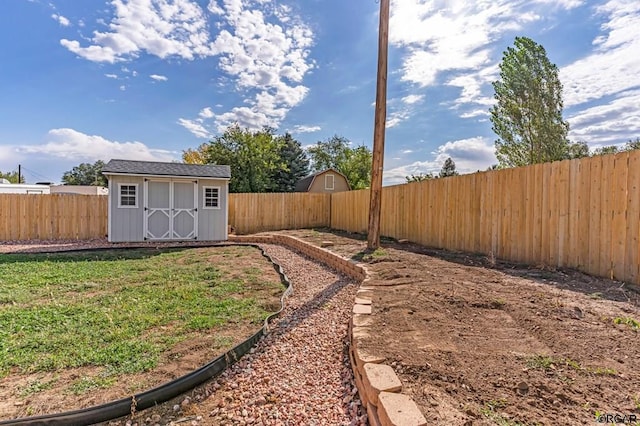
x=160, y=28
x=412, y=99
x=306, y=129
x=263, y=49
x=61, y=20
x=206, y=112
x=70, y=144
x=470, y=155
x=114, y=76
x=457, y=39
x=157, y=77
x=123, y=87
x=397, y=117
x=266, y=57
x=613, y=122
x=615, y=59
x=195, y=127
x=398, y=174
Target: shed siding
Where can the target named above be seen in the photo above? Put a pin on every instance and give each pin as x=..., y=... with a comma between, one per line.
x=339, y=183
x=212, y=223
x=126, y=224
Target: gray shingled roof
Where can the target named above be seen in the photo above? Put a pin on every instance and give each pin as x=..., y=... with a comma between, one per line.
x=303, y=184
x=153, y=168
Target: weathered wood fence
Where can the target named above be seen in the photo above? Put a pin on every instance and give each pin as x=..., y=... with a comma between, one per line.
x=581, y=213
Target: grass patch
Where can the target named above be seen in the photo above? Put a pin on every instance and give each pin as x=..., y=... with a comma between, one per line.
x=633, y=323
x=118, y=309
x=90, y=383
x=551, y=363
x=490, y=410
x=36, y=386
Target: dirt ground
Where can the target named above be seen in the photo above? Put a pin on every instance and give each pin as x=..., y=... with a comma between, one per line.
x=39, y=393
x=482, y=342
x=478, y=342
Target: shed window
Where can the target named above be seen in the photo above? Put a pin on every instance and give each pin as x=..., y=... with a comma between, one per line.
x=329, y=182
x=211, y=197
x=128, y=195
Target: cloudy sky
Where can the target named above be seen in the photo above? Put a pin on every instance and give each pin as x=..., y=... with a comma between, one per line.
x=82, y=81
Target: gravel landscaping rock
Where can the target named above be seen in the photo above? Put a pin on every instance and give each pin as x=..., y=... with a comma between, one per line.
x=299, y=373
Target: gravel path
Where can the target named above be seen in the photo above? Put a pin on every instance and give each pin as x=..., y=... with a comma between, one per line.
x=299, y=373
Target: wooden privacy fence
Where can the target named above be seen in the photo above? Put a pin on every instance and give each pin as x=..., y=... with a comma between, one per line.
x=583, y=214
x=250, y=213
x=70, y=216
x=52, y=217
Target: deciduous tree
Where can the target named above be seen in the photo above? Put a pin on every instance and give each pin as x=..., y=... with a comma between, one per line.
x=86, y=174
x=12, y=177
x=419, y=177
x=336, y=153
x=527, y=116
x=253, y=156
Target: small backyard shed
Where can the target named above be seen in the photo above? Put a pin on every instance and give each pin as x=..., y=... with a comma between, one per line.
x=328, y=180
x=167, y=201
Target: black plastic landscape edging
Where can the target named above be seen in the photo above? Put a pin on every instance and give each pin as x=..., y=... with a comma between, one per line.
x=165, y=392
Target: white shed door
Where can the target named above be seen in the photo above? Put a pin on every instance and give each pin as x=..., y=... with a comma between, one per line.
x=171, y=210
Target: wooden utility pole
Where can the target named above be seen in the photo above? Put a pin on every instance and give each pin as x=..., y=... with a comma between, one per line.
x=375, y=203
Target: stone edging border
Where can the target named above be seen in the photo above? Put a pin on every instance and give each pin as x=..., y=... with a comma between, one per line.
x=378, y=385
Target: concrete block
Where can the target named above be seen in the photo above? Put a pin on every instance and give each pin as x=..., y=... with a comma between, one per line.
x=380, y=378
x=360, y=332
x=395, y=409
x=364, y=293
x=363, y=301
x=363, y=357
x=362, y=320
x=362, y=309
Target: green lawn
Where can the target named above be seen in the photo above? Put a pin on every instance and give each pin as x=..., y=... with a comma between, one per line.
x=121, y=309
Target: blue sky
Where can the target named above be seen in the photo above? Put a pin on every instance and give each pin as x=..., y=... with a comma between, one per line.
x=82, y=81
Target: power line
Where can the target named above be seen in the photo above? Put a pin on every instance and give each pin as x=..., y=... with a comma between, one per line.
x=38, y=175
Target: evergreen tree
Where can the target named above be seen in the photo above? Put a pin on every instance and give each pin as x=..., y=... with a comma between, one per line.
x=448, y=168
x=296, y=164
x=527, y=117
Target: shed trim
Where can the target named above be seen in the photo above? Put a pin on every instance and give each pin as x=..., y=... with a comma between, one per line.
x=163, y=176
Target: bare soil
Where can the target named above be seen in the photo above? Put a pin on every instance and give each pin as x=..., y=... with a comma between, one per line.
x=477, y=341
x=49, y=392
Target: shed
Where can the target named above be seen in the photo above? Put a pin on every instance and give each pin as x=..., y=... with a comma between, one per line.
x=329, y=180
x=154, y=201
